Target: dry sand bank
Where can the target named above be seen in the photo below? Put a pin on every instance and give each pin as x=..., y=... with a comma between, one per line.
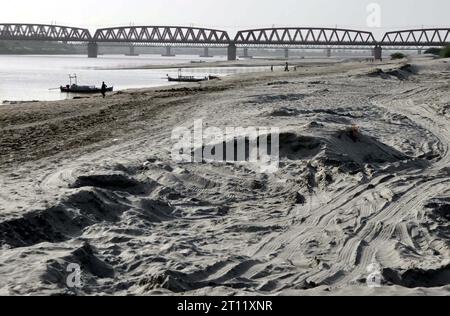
x=92, y=182
x=249, y=63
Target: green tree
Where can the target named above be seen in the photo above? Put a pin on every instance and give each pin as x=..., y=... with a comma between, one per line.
x=445, y=52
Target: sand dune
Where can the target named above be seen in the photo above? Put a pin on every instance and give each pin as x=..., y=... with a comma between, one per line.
x=364, y=181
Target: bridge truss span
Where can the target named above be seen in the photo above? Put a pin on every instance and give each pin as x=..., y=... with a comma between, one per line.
x=166, y=35
x=187, y=36
x=43, y=32
x=288, y=37
x=417, y=38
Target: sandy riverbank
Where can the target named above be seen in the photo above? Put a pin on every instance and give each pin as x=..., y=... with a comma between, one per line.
x=248, y=63
x=92, y=182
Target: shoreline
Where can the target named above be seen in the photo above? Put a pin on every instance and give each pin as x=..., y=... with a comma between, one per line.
x=169, y=93
x=113, y=100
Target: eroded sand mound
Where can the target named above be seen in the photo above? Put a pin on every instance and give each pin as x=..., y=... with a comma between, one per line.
x=402, y=72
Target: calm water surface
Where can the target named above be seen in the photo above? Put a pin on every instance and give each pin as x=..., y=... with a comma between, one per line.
x=27, y=78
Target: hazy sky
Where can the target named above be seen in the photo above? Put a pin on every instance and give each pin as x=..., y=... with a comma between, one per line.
x=227, y=14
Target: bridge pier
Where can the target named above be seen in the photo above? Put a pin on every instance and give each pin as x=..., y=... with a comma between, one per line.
x=246, y=54
x=168, y=52
x=286, y=53
x=92, y=50
x=232, y=51
x=328, y=52
x=206, y=53
x=132, y=51
x=378, y=53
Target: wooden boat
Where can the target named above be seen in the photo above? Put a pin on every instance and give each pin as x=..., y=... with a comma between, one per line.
x=186, y=79
x=75, y=88
x=83, y=89
x=182, y=78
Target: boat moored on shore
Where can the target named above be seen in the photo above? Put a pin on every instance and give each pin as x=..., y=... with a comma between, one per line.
x=182, y=78
x=75, y=88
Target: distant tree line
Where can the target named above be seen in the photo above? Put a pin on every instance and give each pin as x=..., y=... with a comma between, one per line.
x=35, y=48
x=442, y=52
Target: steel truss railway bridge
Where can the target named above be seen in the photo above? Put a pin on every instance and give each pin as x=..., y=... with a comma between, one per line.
x=169, y=36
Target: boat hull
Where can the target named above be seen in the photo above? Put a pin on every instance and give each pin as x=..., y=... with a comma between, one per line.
x=186, y=79
x=84, y=89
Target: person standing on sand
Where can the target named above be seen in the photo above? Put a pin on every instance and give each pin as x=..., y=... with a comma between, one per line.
x=271, y=68
x=287, y=67
x=103, y=89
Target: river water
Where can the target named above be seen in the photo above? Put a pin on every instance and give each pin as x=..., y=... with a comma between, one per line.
x=28, y=78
